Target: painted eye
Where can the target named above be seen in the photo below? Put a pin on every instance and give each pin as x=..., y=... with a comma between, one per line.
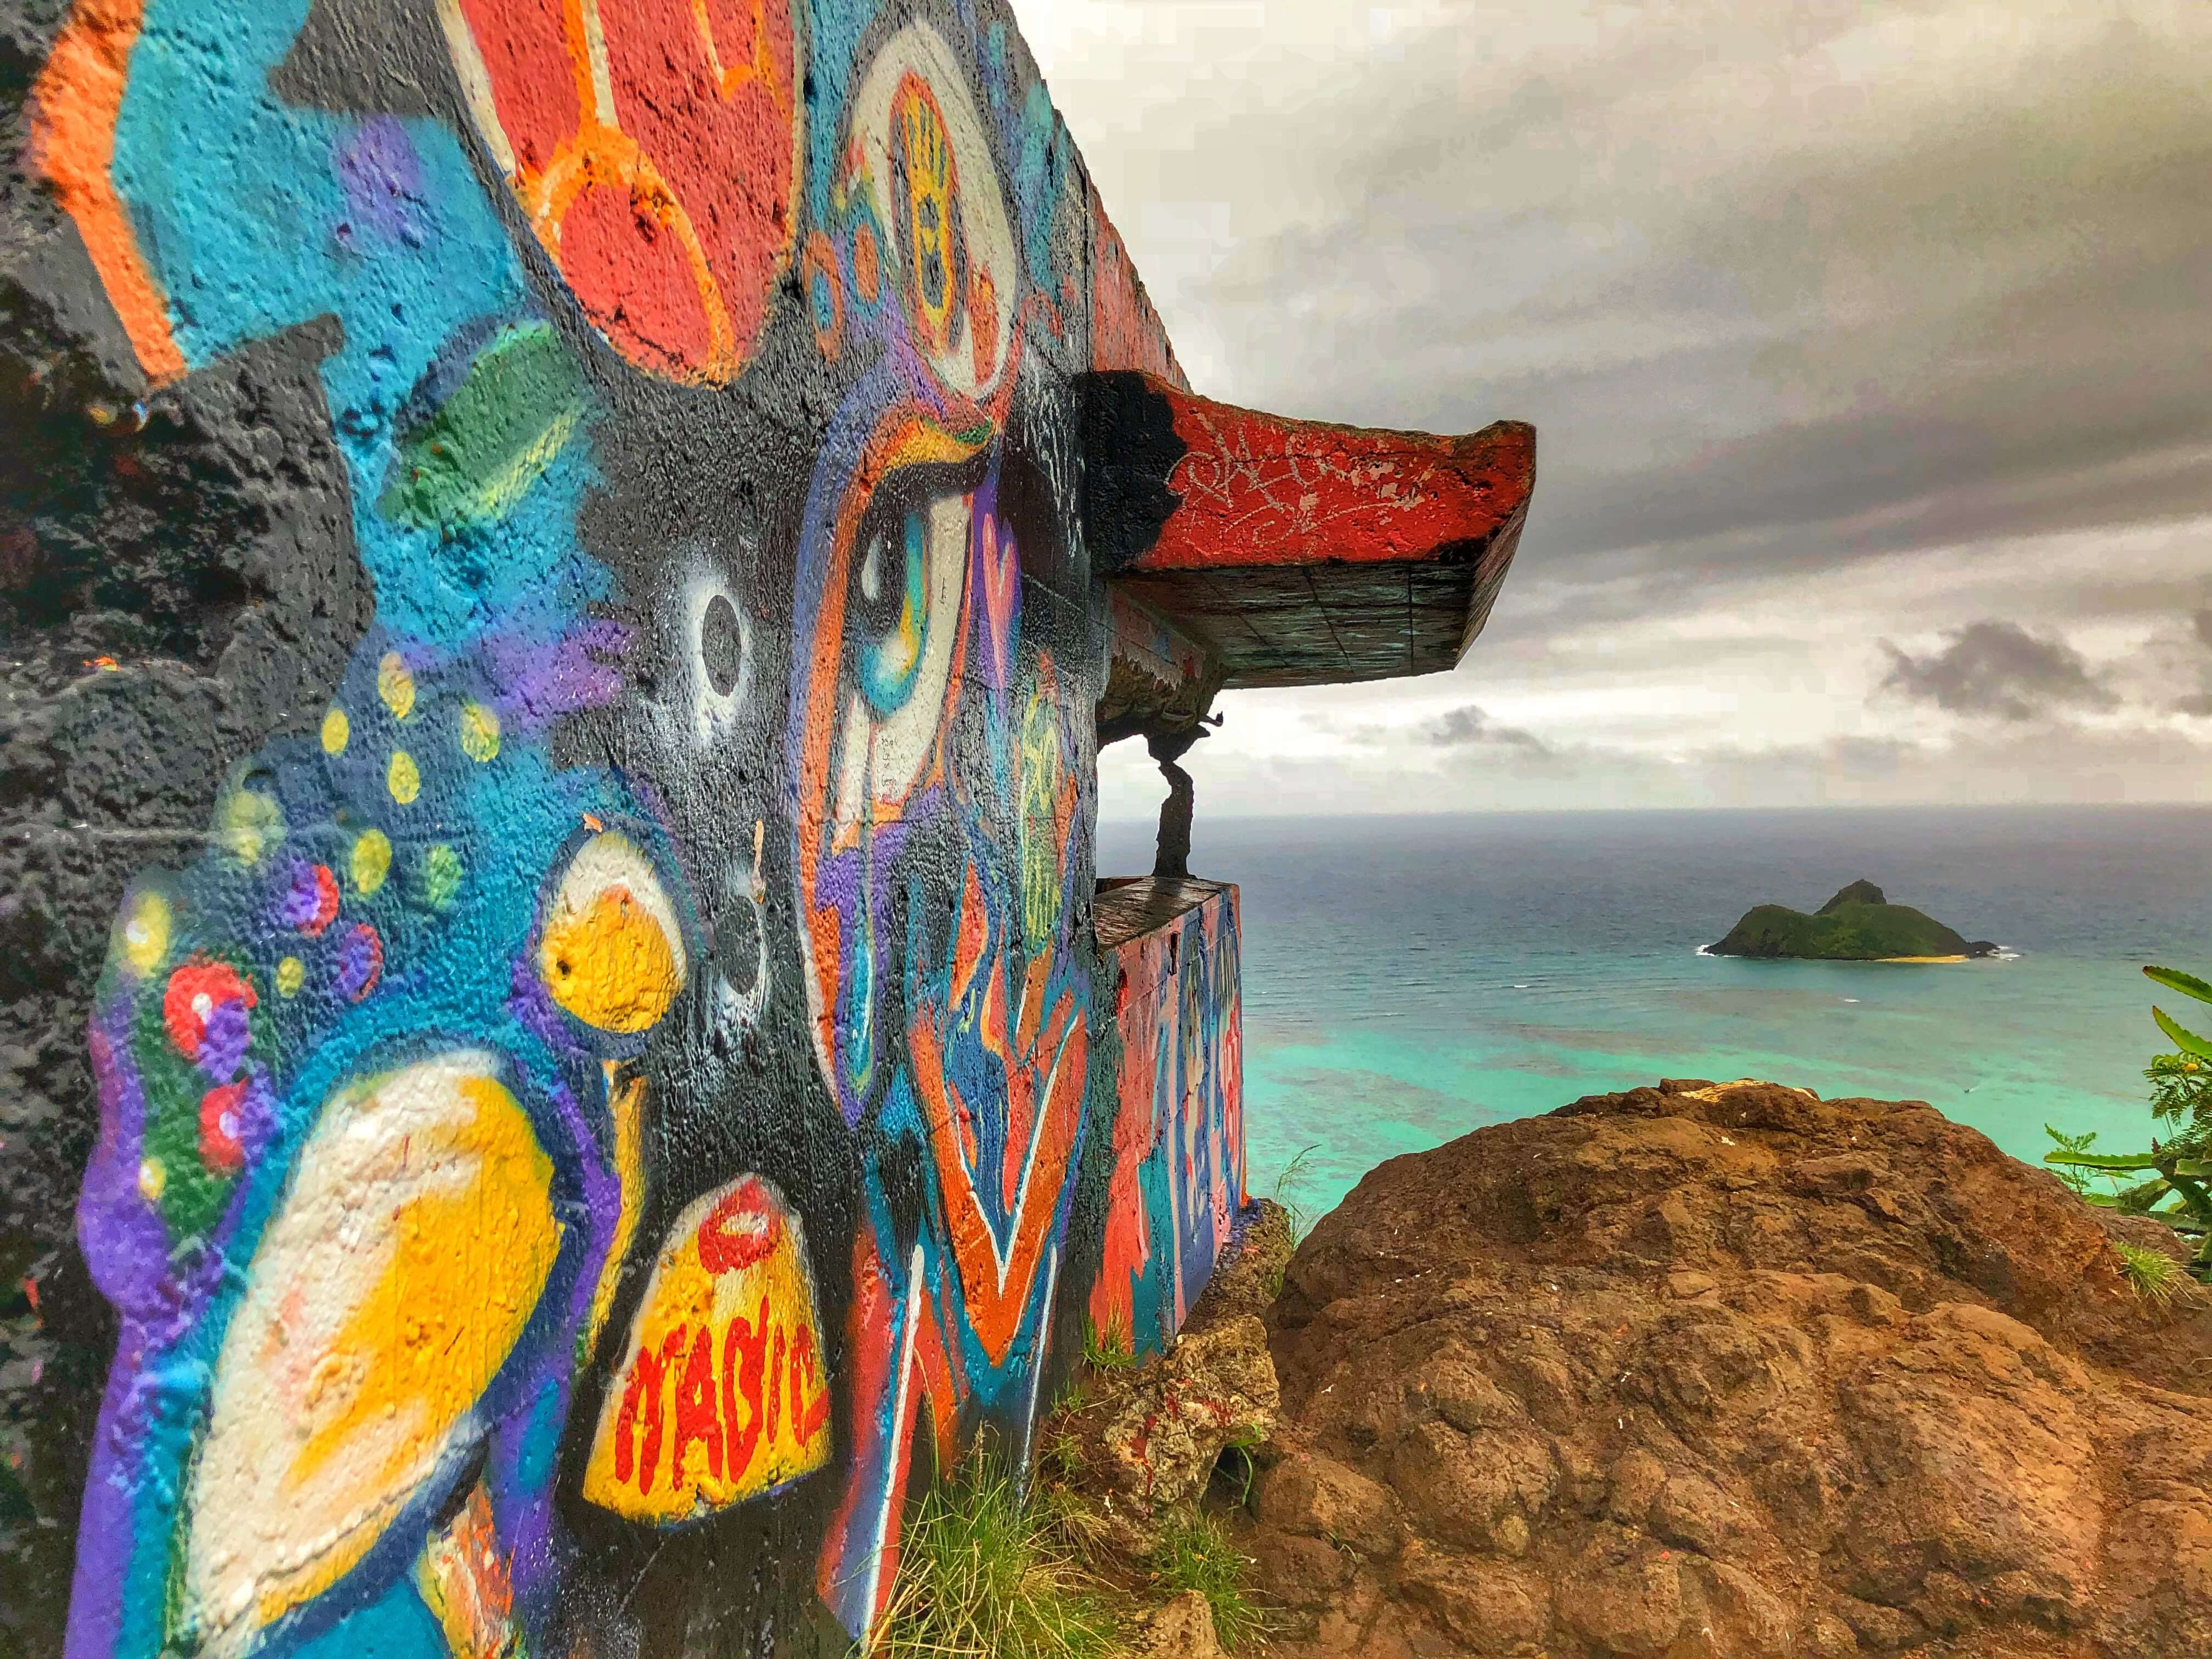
x=892, y=608
x=909, y=574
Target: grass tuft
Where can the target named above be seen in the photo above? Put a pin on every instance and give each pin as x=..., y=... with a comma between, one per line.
x=1074, y=1524
x=2155, y=1276
x=1109, y=1350
x=981, y=1577
x=1195, y=1552
x=1061, y=1455
x=1301, y=1222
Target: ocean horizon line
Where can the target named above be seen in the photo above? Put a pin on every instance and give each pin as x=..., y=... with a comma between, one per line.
x=1837, y=810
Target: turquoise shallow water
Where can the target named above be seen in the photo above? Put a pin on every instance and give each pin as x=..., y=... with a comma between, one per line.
x=1407, y=980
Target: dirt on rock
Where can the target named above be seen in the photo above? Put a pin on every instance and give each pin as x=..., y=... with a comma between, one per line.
x=1731, y=1370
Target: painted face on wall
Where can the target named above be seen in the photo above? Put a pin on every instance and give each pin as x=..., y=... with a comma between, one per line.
x=625, y=1055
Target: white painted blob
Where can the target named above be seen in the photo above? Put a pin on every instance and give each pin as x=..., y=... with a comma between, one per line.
x=713, y=711
x=389, y=1290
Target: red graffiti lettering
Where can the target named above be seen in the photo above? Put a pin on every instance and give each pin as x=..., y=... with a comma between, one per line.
x=743, y=1348
x=775, y=1385
x=807, y=1363
x=695, y=1418
x=642, y=1398
x=760, y=1389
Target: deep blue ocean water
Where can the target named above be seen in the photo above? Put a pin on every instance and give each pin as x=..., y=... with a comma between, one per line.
x=1407, y=980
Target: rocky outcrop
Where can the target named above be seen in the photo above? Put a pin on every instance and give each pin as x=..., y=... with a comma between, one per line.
x=1181, y=1629
x=1153, y=1436
x=1731, y=1370
x=1143, y=1439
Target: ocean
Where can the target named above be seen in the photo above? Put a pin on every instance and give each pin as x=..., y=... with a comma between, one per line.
x=1407, y=980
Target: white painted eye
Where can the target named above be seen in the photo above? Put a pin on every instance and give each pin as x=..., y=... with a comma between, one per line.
x=717, y=640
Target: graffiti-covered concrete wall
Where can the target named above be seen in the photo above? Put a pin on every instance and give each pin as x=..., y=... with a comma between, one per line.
x=553, y=667
x=1177, y=1186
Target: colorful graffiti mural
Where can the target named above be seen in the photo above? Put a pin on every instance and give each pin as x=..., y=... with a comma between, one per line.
x=607, y=1107
x=1177, y=1186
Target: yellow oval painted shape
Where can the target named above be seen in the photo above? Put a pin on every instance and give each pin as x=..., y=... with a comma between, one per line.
x=721, y=1393
x=371, y=861
x=247, y=822
x=146, y=932
x=338, y=731
x=291, y=975
x=395, y=684
x=612, y=951
x=385, y=1294
x=479, y=730
x=402, y=777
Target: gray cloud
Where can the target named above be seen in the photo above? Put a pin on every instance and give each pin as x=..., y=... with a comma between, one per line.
x=1470, y=727
x=2199, y=704
x=1999, y=668
x=1837, y=321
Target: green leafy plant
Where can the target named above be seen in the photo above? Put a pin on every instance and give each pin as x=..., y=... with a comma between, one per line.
x=2181, y=1090
x=982, y=1575
x=1195, y=1552
x=2078, y=1181
x=2173, y=1174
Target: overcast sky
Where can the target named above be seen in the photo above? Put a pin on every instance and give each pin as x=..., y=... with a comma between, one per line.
x=1869, y=343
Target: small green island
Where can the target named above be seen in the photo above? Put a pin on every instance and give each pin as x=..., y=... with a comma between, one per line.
x=1858, y=925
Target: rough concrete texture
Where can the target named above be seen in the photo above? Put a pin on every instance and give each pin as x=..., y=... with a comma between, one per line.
x=1731, y=1370
x=555, y=1047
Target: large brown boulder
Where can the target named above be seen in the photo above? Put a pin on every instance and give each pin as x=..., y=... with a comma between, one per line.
x=1731, y=1370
